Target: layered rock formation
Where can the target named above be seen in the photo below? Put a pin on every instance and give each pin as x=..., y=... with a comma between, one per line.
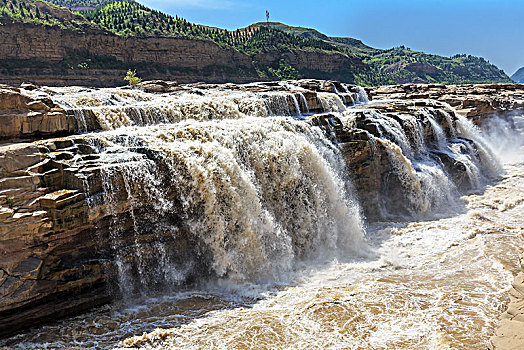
x=473, y=101
x=184, y=60
x=88, y=217
x=47, y=267
x=23, y=116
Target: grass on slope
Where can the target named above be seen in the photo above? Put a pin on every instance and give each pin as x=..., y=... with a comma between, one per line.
x=42, y=13
x=403, y=65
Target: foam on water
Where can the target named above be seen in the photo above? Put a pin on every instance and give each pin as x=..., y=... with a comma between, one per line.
x=260, y=206
x=435, y=285
x=240, y=185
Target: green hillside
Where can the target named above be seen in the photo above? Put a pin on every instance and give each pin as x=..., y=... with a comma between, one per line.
x=129, y=18
x=43, y=13
x=518, y=77
x=403, y=65
x=366, y=65
x=78, y=5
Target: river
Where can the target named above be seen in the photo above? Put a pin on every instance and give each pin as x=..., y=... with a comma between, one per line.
x=439, y=282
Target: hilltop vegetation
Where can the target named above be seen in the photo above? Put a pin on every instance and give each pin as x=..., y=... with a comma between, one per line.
x=366, y=65
x=42, y=13
x=403, y=65
x=129, y=18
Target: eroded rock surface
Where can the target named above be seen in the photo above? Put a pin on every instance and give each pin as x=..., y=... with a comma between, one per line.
x=473, y=101
x=68, y=210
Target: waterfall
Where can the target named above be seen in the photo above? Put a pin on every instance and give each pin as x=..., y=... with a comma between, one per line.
x=331, y=102
x=362, y=96
x=304, y=102
x=223, y=183
x=211, y=189
x=420, y=169
x=238, y=187
x=297, y=106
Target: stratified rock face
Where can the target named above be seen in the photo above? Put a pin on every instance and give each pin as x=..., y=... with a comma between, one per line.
x=473, y=101
x=182, y=182
x=22, y=116
x=48, y=264
x=184, y=60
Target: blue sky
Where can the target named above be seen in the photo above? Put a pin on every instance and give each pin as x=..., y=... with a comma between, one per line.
x=493, y=29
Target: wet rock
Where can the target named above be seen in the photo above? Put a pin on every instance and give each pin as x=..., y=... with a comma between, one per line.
x=23, y=116
x=29, y=86
x=158, y=86
x=477, y=102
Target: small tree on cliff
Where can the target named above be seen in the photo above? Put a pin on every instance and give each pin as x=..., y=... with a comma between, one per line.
x=132, y=78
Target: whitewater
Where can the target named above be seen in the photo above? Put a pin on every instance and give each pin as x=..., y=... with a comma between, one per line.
x=286, y=259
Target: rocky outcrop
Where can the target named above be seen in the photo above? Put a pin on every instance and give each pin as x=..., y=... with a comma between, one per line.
x=23, y=116
x=473, y=101
x=67, y=211
x=47, y=259
x=49, y=52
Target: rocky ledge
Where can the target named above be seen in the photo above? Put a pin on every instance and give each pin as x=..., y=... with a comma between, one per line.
x=59, y=231
x=29, y=113
x=477, y=102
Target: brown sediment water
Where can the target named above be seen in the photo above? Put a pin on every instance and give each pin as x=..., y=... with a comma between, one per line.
x=291, y=262
x=437, y=284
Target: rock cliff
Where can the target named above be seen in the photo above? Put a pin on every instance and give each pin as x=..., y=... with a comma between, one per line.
x=182, y=59
x=50, y=56
x=75, y=212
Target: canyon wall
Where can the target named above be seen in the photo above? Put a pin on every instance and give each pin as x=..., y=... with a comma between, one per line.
x=52, y=55
x=205, y=180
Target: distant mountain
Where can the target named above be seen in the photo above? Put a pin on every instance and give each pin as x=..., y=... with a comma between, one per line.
x=74, y=40
x=518, y=77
